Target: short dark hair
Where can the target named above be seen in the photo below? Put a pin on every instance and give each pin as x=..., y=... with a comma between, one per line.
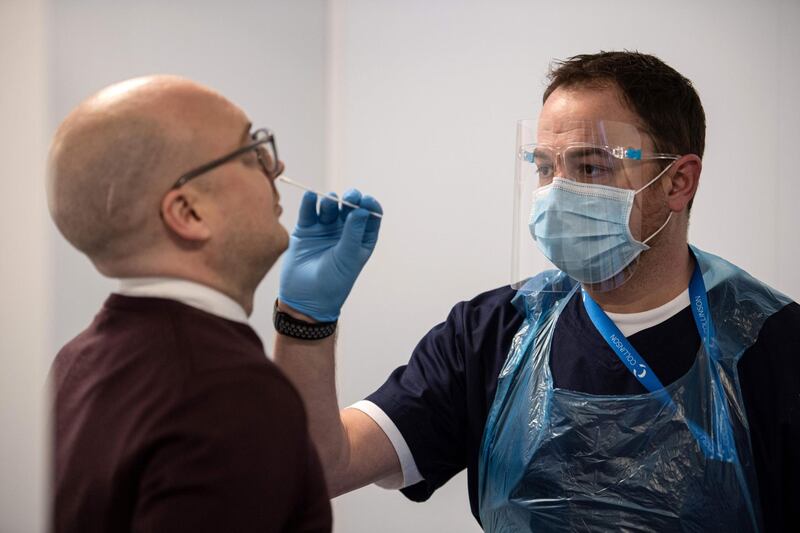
x=665, y=100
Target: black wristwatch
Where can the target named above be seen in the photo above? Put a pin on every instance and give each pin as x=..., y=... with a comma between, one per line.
x=300, y=329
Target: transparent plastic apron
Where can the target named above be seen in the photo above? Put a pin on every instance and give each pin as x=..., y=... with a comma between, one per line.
x=674, y=459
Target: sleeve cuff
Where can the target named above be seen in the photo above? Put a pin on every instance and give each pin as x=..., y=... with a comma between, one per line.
x=410, y=474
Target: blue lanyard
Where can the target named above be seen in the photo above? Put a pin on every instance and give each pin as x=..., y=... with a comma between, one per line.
x=620, y=345
x=702, y=314
x=625, y=350
x=725, y=449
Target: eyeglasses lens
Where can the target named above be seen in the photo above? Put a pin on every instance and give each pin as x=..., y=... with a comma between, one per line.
x=266, y=152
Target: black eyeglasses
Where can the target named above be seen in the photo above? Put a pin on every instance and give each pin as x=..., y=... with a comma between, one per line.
x=264, y=146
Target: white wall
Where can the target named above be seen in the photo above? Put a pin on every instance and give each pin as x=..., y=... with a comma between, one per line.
x=23, y=137
x=414, y=102
x=428, y=95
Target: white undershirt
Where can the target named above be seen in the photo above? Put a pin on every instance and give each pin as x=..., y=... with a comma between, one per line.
x=628, y=324
x=187, y=292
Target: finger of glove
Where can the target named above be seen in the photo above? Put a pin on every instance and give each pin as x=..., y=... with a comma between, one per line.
x=373, y=223
x=308, y=210
x=349, y=247
x=354, y=197
x=328, y=210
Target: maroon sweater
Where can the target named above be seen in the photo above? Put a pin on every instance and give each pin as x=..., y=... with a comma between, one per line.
x=171, y=419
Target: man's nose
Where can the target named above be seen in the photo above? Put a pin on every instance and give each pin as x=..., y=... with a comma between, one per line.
x=280, y=168
x=558, y=166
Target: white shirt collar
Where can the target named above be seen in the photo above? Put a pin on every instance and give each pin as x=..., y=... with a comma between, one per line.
x=630, y=323
x=187, y=292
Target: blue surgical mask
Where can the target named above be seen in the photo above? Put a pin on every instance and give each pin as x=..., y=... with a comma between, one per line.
x=583, y=228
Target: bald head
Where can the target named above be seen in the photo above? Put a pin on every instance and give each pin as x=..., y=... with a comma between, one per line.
x=115, y=156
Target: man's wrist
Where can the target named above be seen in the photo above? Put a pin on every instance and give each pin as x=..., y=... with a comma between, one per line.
x=299, y=326
x=294, y=313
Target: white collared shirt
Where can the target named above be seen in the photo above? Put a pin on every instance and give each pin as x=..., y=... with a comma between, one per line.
x=187, y=292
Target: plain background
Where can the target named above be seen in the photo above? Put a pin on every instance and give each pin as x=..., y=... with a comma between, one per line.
x=414, y=102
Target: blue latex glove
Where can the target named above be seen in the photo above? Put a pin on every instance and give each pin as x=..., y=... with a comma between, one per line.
x=327, y=250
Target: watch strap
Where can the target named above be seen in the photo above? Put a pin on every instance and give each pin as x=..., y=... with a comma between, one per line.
x=286, y=324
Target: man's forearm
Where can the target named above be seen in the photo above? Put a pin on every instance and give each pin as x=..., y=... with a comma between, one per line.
x=353, y=449
x=310, y=365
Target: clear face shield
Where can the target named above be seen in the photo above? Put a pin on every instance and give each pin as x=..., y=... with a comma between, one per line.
x=576, y=202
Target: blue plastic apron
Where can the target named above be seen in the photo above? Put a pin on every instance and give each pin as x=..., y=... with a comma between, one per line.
x=677, y=458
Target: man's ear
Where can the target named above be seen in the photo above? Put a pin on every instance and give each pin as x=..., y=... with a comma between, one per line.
x=180, y=215
x=683, y=182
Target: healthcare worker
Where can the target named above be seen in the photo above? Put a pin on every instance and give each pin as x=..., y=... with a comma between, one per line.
x=636, y=384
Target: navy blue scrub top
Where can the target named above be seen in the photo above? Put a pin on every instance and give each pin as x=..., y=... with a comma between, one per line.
x=439, y=400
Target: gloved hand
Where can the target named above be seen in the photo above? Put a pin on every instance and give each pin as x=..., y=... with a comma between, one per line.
x=326, y=253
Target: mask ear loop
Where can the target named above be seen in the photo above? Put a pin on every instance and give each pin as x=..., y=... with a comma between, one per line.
x=664, y=225
x=652, y=181
x=669, y=217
